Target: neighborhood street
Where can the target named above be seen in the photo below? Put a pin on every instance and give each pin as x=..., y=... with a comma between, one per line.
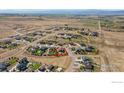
x=21, y=50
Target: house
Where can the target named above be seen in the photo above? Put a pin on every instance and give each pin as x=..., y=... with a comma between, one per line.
x=3, y=66
x=83, y=59
x=86, y=62
x=84, y=33
x=8, y=41
x=43, y=68
x=95, y=34
x=50, y=68
x=61, y=50
x=90, y=49
x=80, y=51
x=14, y=44
x=88, y=66
x=76, y=36
x=83, y=46
x=43, y=48
x=64, y=35
x=1, y=46
x=38, y=33
x=59, y=69
x=18, y=37
x=22, y=66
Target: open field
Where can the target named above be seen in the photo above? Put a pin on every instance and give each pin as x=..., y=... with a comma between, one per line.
x=78, y=35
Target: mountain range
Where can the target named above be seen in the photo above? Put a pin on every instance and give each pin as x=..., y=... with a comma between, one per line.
x=61, y=12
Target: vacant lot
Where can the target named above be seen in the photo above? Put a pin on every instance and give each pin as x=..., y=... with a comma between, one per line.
x=59, y=61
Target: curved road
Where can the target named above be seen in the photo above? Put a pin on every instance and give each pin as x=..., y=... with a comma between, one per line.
x=21, y=50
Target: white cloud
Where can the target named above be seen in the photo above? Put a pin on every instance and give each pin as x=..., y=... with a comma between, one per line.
x=61, y=4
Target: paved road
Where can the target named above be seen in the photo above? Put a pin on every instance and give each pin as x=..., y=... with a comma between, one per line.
x=73, y=57
x=21, y=50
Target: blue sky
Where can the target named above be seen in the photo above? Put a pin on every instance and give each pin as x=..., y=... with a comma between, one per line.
x=61, y=4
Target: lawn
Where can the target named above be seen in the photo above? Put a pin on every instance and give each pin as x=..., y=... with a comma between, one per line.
x=13, y=60
x=34, y=66
x=38, y=52
x=52, y=52
x=9, y=46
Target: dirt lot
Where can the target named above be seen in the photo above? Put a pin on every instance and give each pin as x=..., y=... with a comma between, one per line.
x=114, y=50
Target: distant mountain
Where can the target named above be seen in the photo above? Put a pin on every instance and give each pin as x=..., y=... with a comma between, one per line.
x=61, y=12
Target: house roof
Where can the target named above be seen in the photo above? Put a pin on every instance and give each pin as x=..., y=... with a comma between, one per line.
x=3, y=66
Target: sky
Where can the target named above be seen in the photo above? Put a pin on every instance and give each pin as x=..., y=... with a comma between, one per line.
x=61, y=4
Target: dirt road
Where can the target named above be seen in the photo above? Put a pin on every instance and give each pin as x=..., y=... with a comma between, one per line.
x=105, y=67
